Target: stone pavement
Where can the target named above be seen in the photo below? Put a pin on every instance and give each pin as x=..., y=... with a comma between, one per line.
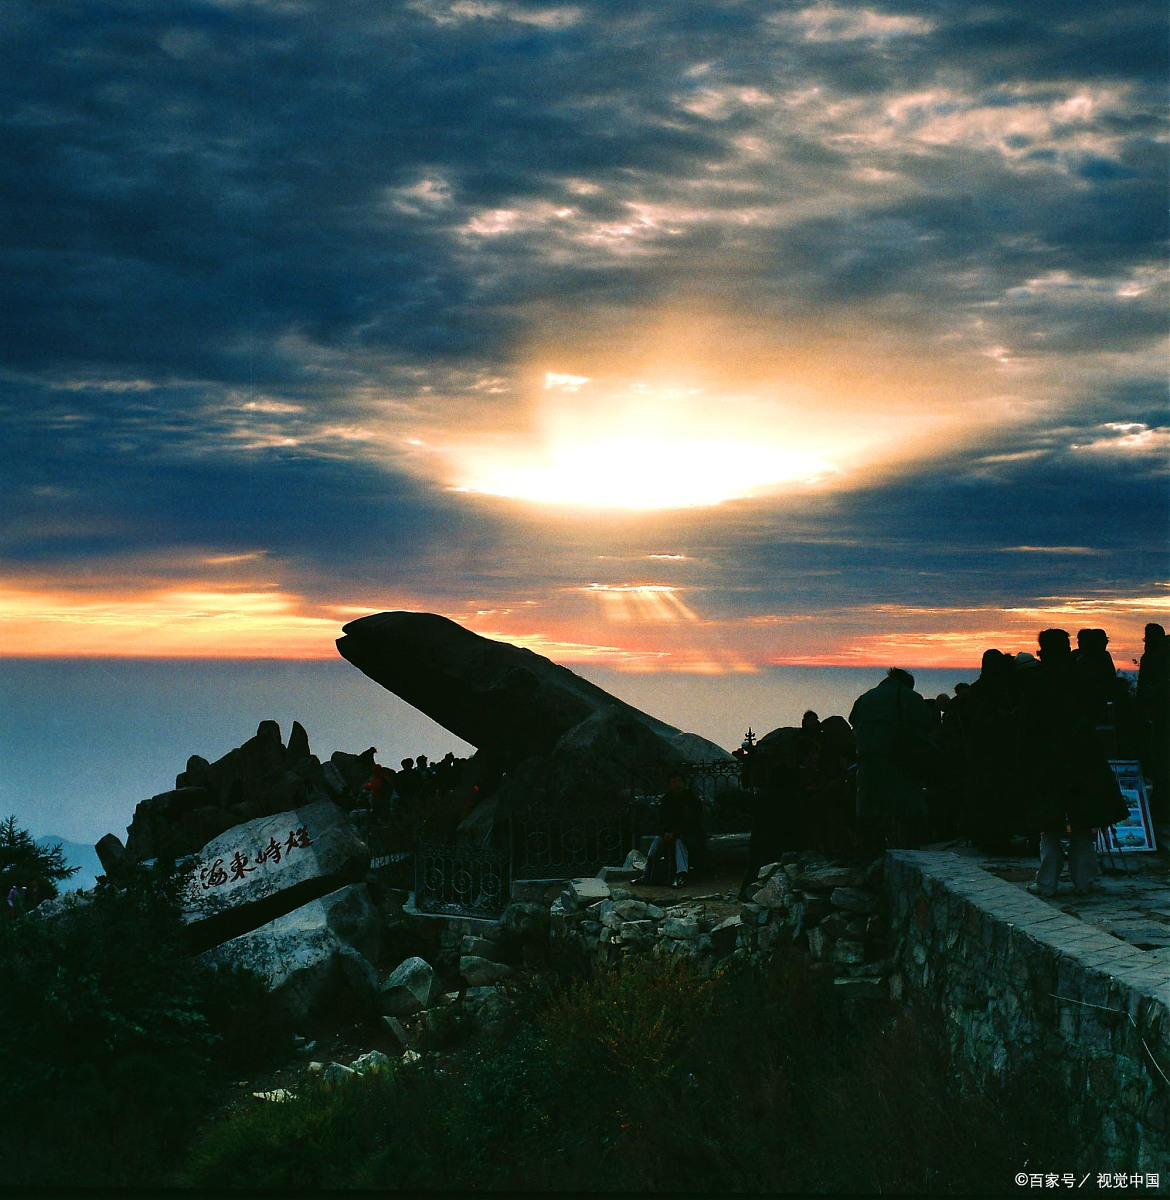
x=1131, y=901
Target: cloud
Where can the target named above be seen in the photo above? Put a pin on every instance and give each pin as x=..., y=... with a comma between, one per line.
x=277, y=277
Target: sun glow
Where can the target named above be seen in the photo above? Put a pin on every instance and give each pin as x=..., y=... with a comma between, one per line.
x=689, y=409
x=644, y=602
x=641, y=473
x=628, y=443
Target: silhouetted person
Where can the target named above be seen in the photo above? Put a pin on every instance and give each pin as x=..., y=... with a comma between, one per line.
x=375, y=792
x=1097, y=681
x=810, y=724
x=986, y=718
x=892, y=725
x=786, y=795
x=811, y=816
x=944, y=795
x=1067, y=777
x=839, y=794
x=772, y=778
x=1152, y=707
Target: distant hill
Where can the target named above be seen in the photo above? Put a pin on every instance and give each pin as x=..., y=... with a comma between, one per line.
x=77, y=854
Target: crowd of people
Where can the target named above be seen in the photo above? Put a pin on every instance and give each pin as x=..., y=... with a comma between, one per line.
x=1017, y=759
x=420, y=800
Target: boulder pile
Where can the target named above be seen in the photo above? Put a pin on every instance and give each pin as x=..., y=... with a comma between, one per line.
x=828, y=910
x=319, y=957
x=832, y=911
x=260, y=778
x=277, y=877
x=289, y=898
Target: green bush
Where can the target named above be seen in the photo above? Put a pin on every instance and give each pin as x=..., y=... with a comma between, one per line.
x=33, y=868
x=632, y=1025
x=112, y=1038
x=656, y=1077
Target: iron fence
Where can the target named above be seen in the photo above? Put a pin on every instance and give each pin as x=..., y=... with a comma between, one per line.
x=474, y=878
x=709, y=779
x=564, y=844
x=461, y=879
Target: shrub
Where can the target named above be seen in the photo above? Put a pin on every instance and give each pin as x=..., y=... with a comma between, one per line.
x=34, y=868
x=111, y=1038
x=635, y=1024
x=654, y=1077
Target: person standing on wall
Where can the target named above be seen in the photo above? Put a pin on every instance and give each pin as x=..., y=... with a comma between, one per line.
x=1069, y=785
x=892, y=725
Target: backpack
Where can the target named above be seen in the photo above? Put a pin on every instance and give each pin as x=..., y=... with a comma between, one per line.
x=660, y=868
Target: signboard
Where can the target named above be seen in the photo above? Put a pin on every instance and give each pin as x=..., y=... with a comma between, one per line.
x=1136, y=832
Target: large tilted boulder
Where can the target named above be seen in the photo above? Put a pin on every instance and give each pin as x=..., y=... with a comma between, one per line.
x=315, y=959
x=264, y=868
x=499, y=697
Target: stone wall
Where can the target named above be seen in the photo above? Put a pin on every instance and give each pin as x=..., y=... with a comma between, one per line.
x=828, y=910
x=1026, y=987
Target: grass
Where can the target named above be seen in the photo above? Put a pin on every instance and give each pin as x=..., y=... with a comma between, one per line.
x=649, y=1077
x=655, y=1077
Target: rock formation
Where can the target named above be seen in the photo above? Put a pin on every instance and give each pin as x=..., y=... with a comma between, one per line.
x=559, y=737
x=411, y=987
x=318, y=957
x=267, y=867
x=494, y=695
x=257, y=779
x=274, y=871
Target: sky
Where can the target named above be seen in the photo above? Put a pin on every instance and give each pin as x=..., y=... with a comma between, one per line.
x=686, y=337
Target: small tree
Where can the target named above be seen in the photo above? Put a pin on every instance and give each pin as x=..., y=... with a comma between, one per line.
x=26, y=864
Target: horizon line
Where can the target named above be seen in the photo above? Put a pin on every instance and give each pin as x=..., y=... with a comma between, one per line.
x=625, y=670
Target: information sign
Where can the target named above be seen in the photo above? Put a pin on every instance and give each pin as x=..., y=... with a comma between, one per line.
x=1136, y=831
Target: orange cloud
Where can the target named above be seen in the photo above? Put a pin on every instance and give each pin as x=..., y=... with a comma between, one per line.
x=183, y=621
x=630, y=627
x=925, y=636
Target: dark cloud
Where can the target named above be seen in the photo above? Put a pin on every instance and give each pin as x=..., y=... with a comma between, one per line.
x=353, y=215
x=186, y=184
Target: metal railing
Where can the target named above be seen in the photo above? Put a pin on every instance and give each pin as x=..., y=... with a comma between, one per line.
x=471, y=878
x=461, y=879
x=547, y=845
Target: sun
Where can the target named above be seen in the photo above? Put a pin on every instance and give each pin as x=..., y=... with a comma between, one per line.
x=642, y=474
x=691, y=410
x=638, y=446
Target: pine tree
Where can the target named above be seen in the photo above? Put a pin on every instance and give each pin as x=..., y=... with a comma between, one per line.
x=24, y=863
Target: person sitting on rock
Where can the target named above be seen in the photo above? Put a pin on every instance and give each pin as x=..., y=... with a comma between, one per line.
x=680, y=845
